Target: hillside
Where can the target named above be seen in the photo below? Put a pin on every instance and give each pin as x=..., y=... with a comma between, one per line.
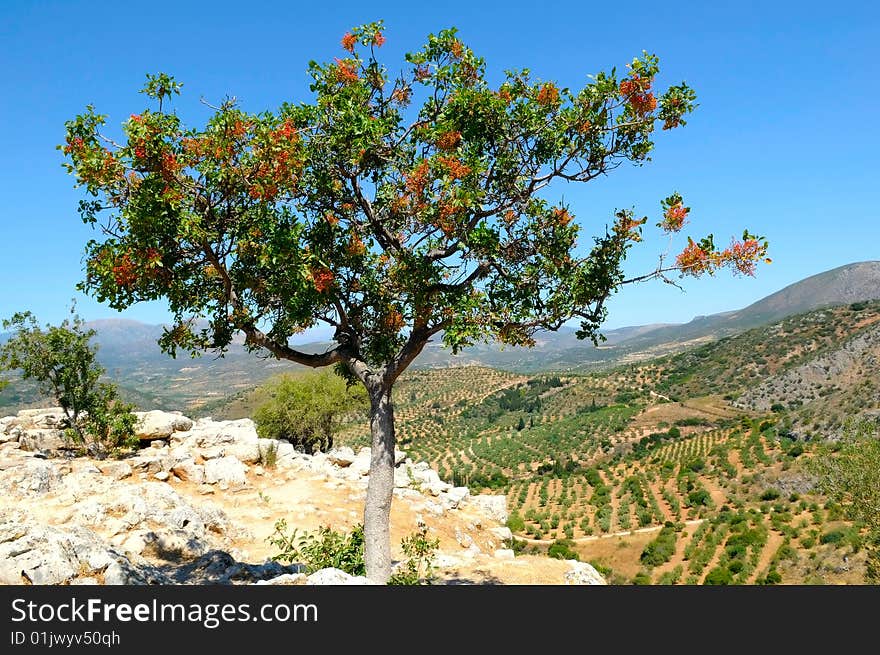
x=151, y=379
x=840, y=286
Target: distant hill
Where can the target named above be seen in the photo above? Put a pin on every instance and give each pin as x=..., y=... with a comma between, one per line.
x=839, y=286
x=129, y=351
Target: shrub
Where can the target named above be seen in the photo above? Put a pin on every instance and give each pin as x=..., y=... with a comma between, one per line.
x=62, y=360
x=832, y=537
x=773, y=577
x=770, y=494
x=269, y=454
x=418, y=567
x=326, y=548
x=720, y=575
x=515, y=522
x=562, y=549
x=642, y=578
x=305, y=409
x=661, y=549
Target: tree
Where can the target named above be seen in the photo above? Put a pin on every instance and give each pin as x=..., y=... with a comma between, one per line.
x=62, y=361
x=305, y=409
x=849, y=472
x=392, y=208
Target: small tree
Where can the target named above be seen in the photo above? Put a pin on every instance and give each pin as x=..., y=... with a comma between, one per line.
x=850, y=474
x=394, y=209
x=305, y=409
x=61, y=360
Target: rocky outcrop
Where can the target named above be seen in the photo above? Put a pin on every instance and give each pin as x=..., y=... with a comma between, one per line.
x=153, y=516
x=582, y=573
x=39, y=554
x=157, y=424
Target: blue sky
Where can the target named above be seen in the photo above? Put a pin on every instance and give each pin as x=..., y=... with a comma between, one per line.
x=784, y=141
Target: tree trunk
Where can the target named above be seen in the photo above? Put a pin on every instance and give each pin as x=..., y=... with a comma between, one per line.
x=377, y=508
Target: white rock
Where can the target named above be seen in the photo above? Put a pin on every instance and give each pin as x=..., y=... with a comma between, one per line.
x=286, y=579
x=188, y=471
x=505, y=553
x=463, y=538
x=116, y=470
x=162, y=476
x=492, y=505
x=225, y=470
x=341, y=457
x=331, y=576
x=582, y=573
x=157, y=424
x=42, y=440
x=454, y=496
x=503, y=533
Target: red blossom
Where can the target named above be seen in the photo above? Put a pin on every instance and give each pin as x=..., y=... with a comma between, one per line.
x=457, y=169
x=449, y=140
x=693, y=260
x=674, y=217
x=378, y=39
x=348, y=41
x=548, y=95
x=346, y=71
x=393, y=321
x=561, y=216
x=322, y=277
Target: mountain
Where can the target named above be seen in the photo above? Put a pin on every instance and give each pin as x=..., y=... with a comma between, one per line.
x=839, y=286
x=148, y=377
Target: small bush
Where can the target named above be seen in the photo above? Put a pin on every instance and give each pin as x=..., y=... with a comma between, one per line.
x=418, y=567
x=562, y=549
x=770, y=494
x=515, y=522
x=720, y=575
x=326, y=548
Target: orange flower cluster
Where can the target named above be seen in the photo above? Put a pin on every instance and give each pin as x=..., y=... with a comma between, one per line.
x=561, y=216
x=457, y=169
x=674, y=217
x=638, y=91
x=322, y=277
x=449, y=140
x=422, y=73
x=643, y=103
x=73, y=145
x=169, y=166
x=239, y=128
x=446, y=212
x=356, y=247
x=348, y=41
x=331, y=219
x=378, y=39
x=417, y=180
x=744, y=255
x=401, y=95
x=509, y=217
x=280, y=164
x=456, y=49
x=393, y=321
x=123, y=270
x=693, y=260
x=346, y=71
x=548, y=95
